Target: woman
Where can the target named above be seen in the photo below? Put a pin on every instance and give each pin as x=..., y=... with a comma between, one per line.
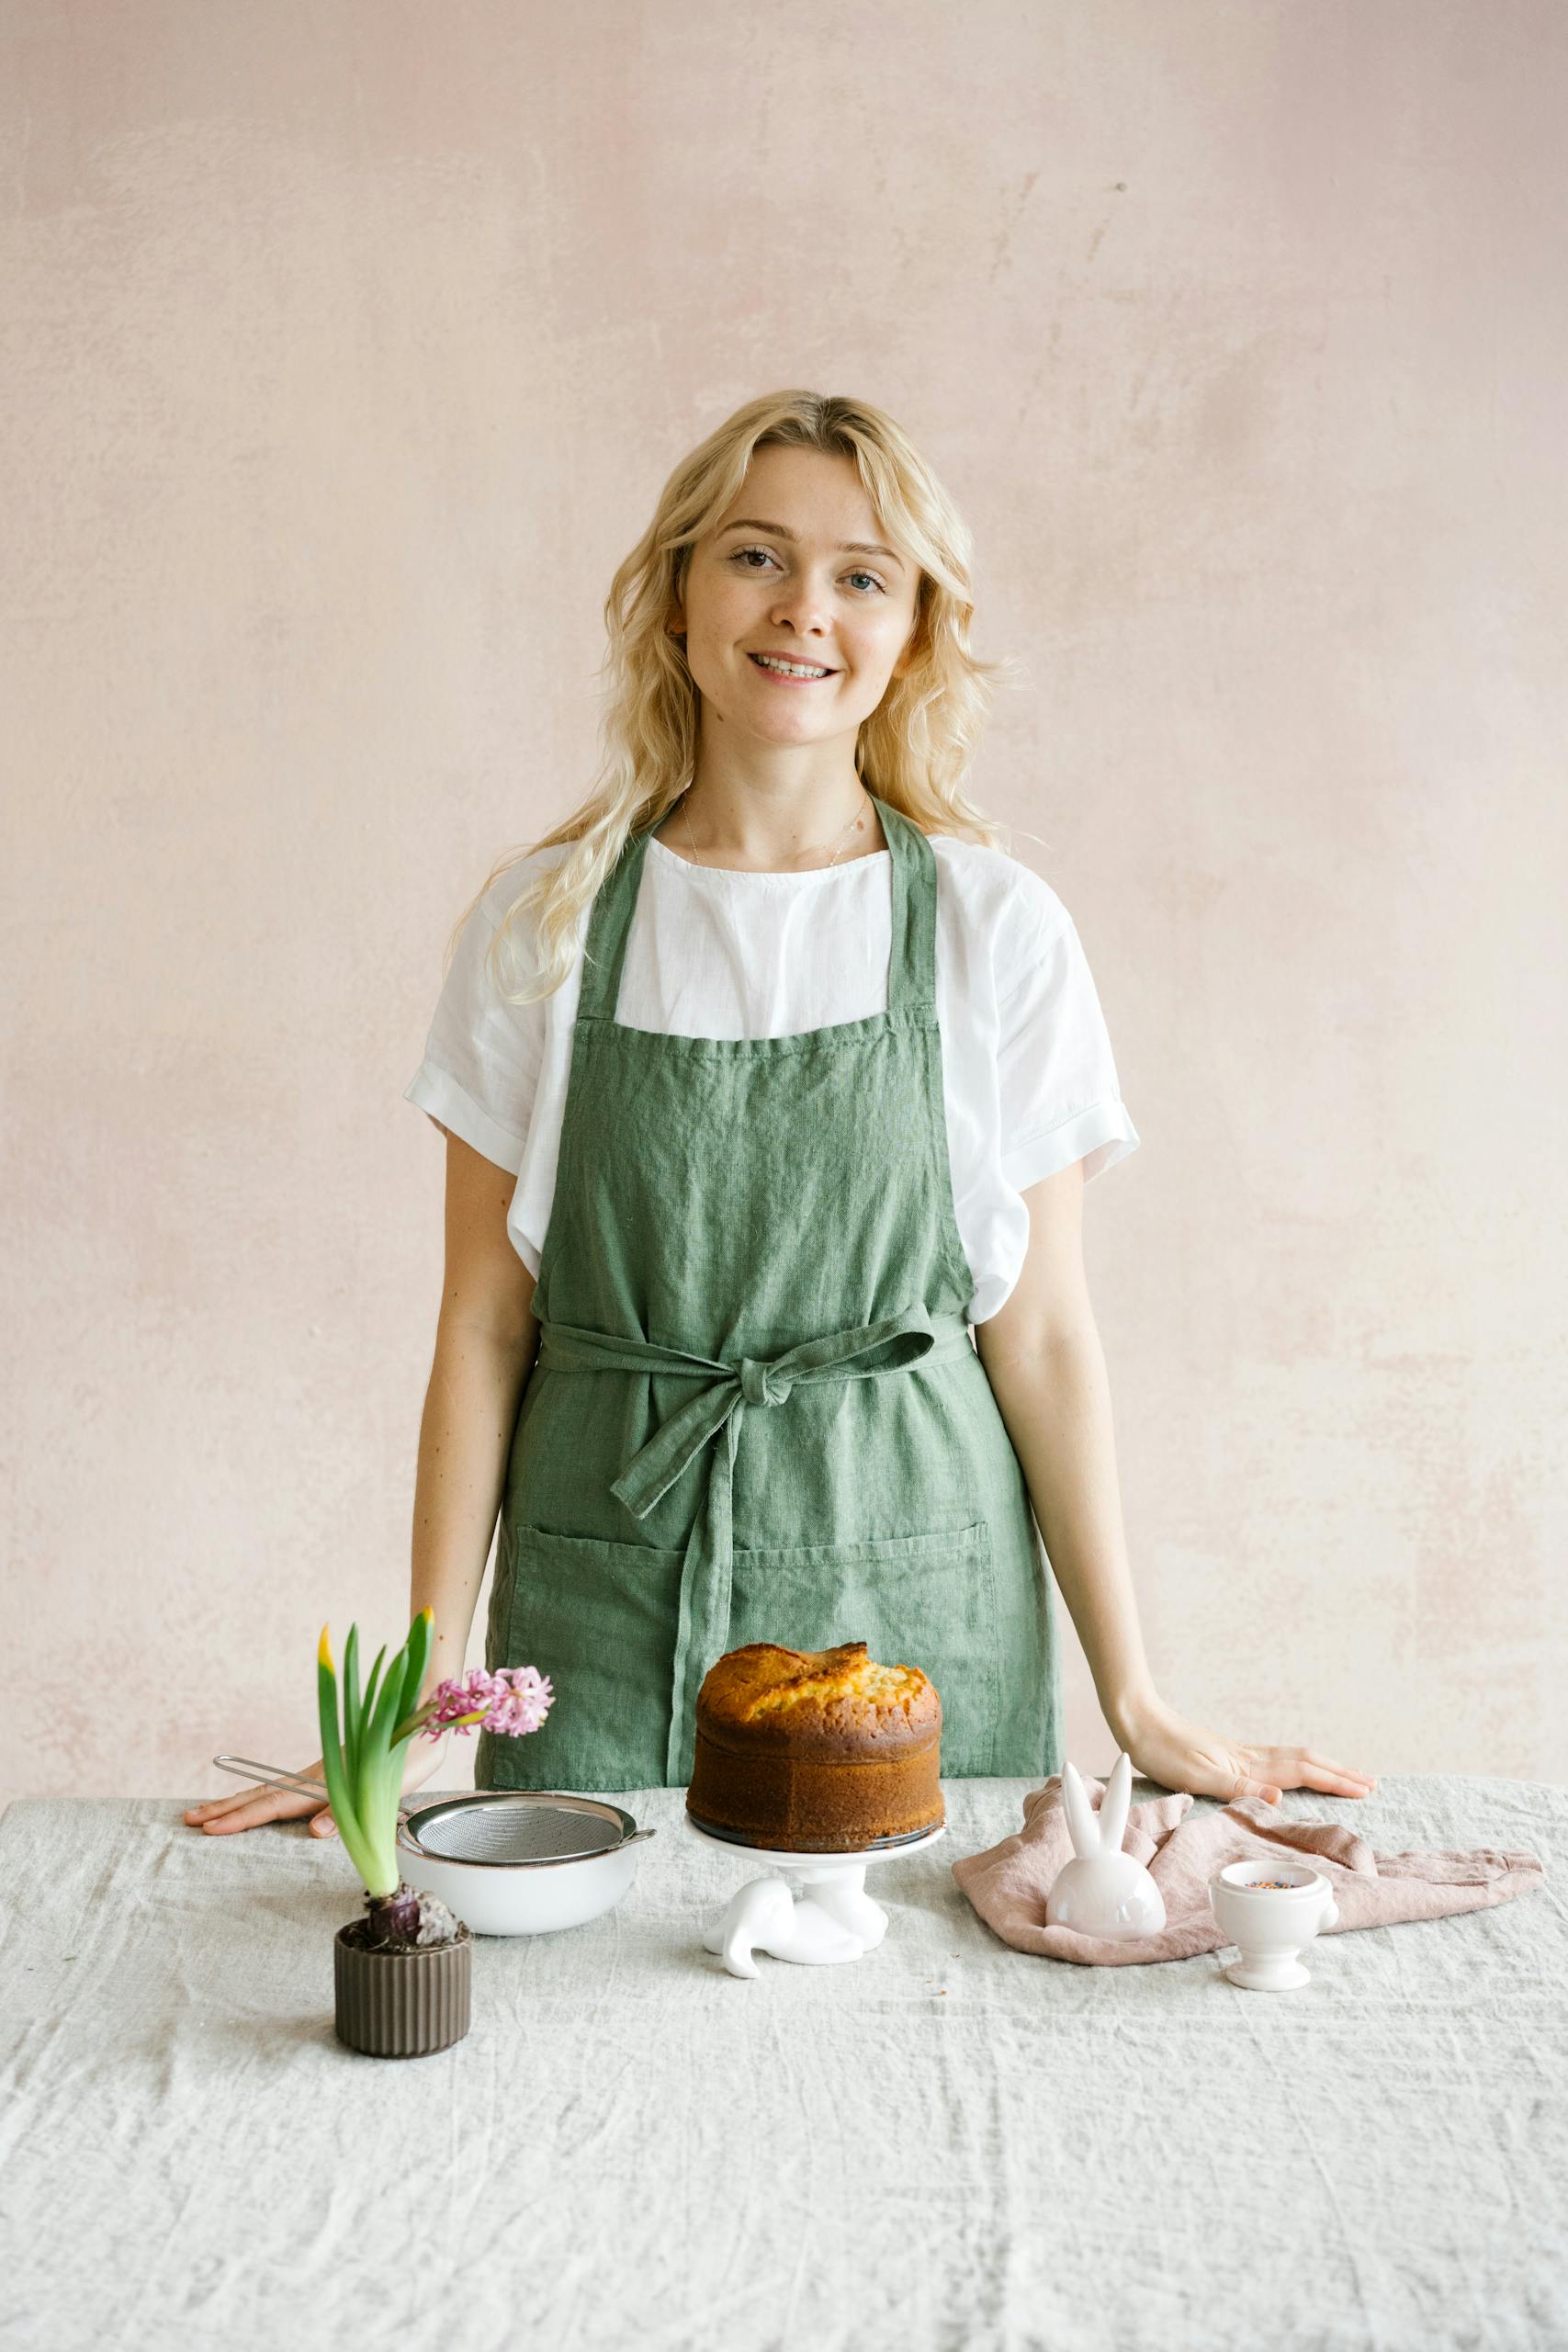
x=784, y=1085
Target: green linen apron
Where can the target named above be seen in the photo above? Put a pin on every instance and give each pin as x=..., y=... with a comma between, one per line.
x=756, y=1412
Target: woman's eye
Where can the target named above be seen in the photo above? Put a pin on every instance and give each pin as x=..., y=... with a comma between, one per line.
x=741, y=553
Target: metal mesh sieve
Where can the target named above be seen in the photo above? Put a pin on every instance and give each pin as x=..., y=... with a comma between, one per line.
x=499, y=1826
x=514, y=1826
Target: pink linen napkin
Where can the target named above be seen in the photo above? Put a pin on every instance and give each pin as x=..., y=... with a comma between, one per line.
x=1008, y=1884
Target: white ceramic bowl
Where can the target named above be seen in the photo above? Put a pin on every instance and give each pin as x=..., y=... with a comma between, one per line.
x=531, y=1897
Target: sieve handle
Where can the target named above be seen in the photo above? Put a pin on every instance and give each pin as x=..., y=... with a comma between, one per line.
x=275, y=1777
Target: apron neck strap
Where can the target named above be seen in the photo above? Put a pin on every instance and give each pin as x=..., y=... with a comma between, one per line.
x=911, y=959
x=609, y=925
x=912, y=962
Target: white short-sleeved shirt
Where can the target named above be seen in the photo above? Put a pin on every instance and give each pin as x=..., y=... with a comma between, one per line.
x=1028, y=1079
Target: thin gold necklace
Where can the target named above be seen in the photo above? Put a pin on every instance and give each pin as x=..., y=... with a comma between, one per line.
x=855, y=821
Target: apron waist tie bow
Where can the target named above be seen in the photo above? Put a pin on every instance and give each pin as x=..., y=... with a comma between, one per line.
x=896, y=1343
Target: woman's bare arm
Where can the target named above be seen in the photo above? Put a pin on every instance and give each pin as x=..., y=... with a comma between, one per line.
x=1042, y=1356
x=486, y=1340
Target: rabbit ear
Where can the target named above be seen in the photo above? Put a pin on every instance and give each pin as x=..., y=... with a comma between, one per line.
x=1114, y=1804
x=1082, y=1826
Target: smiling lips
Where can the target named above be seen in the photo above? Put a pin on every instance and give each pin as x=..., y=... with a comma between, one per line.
x=789, y=671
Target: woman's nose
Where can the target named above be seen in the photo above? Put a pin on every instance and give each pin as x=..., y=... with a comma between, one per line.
x=803, y=608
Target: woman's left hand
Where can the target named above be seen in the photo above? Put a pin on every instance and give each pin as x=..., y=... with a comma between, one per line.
x=1180, y=1755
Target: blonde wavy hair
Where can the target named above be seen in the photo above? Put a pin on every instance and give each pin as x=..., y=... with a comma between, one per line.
x=913, y=751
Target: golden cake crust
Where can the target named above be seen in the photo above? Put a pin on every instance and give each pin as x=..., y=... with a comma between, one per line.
x=819, y=1750
x=837, y=1702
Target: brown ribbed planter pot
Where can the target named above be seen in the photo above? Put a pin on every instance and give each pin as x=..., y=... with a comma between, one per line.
x=401, y=2003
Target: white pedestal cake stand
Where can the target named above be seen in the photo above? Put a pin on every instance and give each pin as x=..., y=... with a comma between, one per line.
x=832, y=1918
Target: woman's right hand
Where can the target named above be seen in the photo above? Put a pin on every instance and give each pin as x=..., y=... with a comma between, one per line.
x=249, y=1808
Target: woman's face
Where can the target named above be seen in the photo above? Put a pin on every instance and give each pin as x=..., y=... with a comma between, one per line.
x=797, y=567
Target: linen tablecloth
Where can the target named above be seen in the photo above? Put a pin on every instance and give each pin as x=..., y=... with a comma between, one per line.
x=947, y=2144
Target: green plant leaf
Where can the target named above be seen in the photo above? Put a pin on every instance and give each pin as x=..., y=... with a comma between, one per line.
x=380, y=1774
x=377, y=1734
x=351, y=1714
x=369, y=1699
x=356, y=1845
x=416, y=1721
x=418, y=1658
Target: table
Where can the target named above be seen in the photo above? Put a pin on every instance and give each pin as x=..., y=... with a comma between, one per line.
x=947, y=2144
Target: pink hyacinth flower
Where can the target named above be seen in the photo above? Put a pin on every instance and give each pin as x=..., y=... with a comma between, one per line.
x=514, y=1700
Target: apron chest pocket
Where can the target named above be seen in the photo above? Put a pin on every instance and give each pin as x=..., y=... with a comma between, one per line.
x=928, y=1601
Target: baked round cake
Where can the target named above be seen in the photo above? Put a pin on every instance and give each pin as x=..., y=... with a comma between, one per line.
x=816, y=1751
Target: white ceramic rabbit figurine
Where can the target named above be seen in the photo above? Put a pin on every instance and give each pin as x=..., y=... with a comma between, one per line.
x=1102, y=1891
x=765, y=1916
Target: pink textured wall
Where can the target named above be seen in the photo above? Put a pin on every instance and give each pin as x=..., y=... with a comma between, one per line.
x=346, y=344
